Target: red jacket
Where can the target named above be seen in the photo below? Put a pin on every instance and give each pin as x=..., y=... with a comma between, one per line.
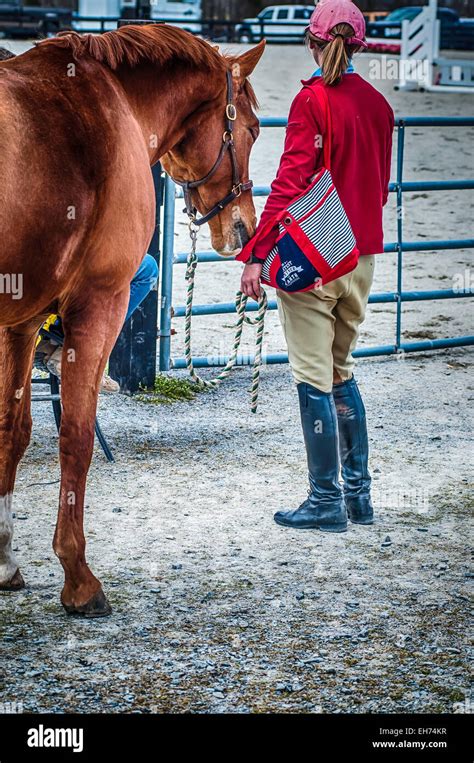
x=362, y=127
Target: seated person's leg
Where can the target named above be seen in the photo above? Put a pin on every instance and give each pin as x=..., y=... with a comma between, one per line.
x=143, y=282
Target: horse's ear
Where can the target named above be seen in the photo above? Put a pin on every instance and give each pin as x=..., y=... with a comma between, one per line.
x=244, y=64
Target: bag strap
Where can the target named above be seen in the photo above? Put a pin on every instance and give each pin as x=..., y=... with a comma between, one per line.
x=322, y=98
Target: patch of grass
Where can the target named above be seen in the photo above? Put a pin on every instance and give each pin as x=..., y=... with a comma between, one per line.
x=167, y=390
x=454, y=695
x=350, y=661
x=397, y=693
x=420, y=334
x=454, y=500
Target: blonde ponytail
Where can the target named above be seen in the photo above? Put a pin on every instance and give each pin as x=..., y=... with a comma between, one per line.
x=335, y=53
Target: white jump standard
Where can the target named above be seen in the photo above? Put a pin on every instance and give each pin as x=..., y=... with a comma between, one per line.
x=421, y=67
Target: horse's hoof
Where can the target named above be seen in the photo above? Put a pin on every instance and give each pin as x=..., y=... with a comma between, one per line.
x=14, y=584
x=97, y=606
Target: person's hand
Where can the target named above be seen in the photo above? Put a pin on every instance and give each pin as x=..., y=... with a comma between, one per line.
x=250, y=282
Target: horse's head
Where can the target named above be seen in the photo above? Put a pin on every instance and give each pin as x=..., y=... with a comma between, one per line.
x=218, y=156
x=216, y=123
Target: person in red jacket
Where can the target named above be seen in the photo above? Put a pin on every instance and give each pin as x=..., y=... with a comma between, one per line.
x=321, y=326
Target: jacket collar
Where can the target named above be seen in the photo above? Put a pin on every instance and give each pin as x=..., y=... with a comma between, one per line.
x=350, y=70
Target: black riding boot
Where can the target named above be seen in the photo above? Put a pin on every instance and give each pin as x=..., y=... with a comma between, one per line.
x=354, y=451
x=324, y=508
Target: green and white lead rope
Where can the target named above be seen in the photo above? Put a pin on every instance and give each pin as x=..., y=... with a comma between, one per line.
x=240, y=305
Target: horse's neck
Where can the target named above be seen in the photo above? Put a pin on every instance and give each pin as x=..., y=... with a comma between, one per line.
x=161, y=103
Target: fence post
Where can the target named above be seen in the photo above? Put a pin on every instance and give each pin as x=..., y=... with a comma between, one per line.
x=133, y=359
x=167, y=275
x=400, y=153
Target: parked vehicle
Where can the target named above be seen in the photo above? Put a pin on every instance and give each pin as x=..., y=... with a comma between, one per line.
x=190, y=10
x=277, y=22
x=19, y=20
x=455, y=32
x=161, y=10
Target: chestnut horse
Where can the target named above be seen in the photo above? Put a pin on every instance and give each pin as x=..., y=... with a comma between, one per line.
x=82, y=119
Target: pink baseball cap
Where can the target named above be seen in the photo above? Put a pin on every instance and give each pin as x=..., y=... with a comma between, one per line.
x=328, y=13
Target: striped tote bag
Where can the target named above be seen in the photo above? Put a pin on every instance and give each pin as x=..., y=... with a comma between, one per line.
x=315, y=244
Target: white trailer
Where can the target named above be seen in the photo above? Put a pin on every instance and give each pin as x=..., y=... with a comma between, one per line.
x=188, y=10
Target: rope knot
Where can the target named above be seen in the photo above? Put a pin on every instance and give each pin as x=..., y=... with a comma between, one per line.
x=191, y=266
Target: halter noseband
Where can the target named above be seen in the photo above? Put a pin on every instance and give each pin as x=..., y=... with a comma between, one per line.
x=227, y=146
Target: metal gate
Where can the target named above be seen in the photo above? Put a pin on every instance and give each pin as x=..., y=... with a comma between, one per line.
x=169, y=259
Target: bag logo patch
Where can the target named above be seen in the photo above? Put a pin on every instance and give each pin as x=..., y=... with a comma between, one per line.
x=290, y=273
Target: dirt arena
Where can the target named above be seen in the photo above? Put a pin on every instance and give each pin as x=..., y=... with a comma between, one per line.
x=216, y=608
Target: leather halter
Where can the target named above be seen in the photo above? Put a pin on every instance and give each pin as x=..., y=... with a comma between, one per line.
x=227, y=146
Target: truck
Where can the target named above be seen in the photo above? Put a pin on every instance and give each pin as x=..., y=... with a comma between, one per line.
x=22, y=20
x=280, y=23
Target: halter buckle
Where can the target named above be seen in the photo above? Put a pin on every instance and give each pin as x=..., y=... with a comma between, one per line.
x=237, y=190
x=231, y=112
x=227, y=137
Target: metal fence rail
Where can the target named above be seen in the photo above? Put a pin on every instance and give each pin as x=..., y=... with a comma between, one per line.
x=398, y=297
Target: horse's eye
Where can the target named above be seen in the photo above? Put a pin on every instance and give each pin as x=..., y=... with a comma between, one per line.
x=254, y=132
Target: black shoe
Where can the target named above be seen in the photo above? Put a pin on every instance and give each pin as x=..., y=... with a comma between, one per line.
x=360, y=510
x=332, y=519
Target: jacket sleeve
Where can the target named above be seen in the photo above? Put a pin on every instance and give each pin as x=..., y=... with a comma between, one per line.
x=388, y=160
x=301, y=156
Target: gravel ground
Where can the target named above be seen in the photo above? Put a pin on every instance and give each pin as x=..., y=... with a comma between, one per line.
x=216, y=608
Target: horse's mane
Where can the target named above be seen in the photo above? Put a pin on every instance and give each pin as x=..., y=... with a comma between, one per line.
x=158, y=43
x=5, y=54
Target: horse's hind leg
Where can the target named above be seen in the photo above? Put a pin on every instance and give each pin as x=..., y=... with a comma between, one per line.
x=90, y=334
x=16, y=357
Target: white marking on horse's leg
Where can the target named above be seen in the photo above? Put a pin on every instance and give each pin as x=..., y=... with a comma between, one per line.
x=8, y=564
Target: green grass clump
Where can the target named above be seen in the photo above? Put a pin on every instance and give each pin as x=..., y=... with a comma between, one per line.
x=167, y=390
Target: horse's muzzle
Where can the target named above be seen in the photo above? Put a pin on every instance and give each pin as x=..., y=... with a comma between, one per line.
x=241, y=234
